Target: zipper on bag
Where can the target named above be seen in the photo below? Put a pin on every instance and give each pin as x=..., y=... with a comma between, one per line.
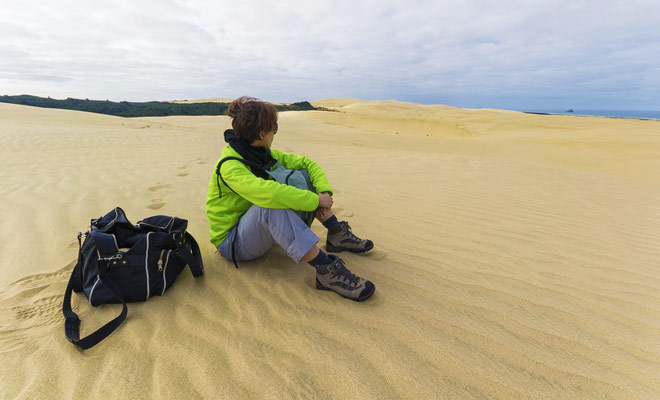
x=167, y=259
x=91, y=293
x=146, y=266
x=160, y=260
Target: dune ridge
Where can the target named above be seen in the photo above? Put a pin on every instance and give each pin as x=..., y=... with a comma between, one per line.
x=517, y=256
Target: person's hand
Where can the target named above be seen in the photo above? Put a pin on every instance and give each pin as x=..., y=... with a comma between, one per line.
x=325, y=200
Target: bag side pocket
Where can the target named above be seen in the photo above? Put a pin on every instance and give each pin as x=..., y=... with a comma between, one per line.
x=172, y=268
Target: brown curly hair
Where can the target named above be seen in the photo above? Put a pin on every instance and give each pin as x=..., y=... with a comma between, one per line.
x=251, y=116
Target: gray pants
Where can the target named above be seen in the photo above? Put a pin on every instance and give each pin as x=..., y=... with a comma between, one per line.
x=259, y=228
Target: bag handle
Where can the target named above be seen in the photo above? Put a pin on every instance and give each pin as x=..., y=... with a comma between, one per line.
x=72, y=323
x=193, y=257
x=106, y=243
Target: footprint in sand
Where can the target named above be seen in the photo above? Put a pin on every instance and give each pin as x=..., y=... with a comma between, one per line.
x=42, y=280
x=159, y=187
x=45, y=310
x=185, y=173
x=341, y=213
x=31, y=303
x=156, y=204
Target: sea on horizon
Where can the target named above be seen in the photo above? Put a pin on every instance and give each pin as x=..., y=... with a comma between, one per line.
x=636, y=114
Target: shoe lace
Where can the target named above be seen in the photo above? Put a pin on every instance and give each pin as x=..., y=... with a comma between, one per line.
x=350, y=233
x=345, y=274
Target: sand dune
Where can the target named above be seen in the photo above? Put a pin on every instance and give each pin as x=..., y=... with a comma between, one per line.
x=517, y=256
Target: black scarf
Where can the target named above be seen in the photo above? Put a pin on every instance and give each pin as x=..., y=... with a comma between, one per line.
x=256, y=154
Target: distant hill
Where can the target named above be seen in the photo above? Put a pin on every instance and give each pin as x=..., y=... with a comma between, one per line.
x=214, y=100
x=133, y=109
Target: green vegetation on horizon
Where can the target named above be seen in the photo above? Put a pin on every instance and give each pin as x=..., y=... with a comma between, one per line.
x=132, y=109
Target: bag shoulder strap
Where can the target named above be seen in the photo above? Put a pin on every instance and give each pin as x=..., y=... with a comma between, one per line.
x=244, y=161
x=72, y=323
x=193, y=256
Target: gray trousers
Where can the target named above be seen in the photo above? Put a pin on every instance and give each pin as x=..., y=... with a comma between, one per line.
x=259, y=228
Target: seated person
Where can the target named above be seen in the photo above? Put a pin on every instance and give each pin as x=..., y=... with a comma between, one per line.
x=248, y=211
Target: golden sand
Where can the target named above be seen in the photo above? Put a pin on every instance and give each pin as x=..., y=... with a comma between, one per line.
x=517, y=256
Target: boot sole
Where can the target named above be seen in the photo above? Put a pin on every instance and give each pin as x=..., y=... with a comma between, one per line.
x=320, y=286
x=336, y=249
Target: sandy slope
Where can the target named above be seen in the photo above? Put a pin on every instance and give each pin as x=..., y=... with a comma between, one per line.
x=518, y=256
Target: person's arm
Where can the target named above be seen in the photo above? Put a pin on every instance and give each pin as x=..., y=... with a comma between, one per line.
x=316, y=174
x=266, y=193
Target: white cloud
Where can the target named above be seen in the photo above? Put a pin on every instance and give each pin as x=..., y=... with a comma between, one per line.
x=469, y=53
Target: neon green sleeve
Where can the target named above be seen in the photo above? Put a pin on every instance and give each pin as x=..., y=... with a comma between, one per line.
x=316, y=174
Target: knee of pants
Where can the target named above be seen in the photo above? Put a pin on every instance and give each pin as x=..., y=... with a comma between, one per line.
x=272, y=214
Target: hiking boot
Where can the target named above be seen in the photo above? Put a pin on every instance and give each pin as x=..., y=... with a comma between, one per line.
x=344, y=239
x=336, y=277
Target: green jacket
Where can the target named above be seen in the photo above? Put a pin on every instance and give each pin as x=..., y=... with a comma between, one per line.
x=223, y=212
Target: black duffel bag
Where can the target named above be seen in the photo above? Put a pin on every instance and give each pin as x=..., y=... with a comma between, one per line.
x=119, y=262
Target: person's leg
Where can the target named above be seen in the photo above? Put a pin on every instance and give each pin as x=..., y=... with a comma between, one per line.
x=331, y=273
x=311, y=254
x=259, y=228
x=340, y=236
x=253, y=239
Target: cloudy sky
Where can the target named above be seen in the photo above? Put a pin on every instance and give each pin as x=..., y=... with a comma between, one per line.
x=517, y=54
